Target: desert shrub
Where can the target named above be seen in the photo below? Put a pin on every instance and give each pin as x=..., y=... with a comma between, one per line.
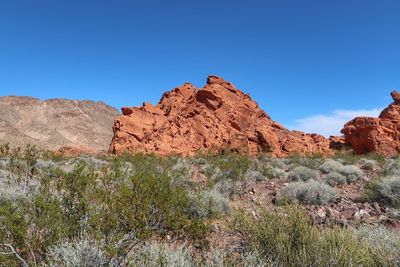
x=334, y=179
x=278, y=163
x=351, y=172
x=270, y=172
x=255, y=176
x=11, y=191
x=30, y=155
x=77, y=253
x=311, y=162
x=290, y=240
x=346, y=157
x=179, y=170
x=391, y=167
x=303, y=174
x=45, y=164
x=111, y=204
x=385, y=190
x=309, y=192
x=330, y=165
x=4, y=163
x=253, y=258
x=228, y=188
x=13, y=231
x=5, y=150
x=368, y=164
x=208, y=204
x=278, y=174
x=230, y=167
x=155, y=255
x=381, y=238
x=10, y=187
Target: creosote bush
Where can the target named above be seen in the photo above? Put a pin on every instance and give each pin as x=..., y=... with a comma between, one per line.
x=102, y=200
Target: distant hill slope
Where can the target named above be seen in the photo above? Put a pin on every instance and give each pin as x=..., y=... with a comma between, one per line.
x=55, y=123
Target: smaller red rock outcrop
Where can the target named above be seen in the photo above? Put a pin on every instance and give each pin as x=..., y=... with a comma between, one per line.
x=216, y=117
x=376, y=135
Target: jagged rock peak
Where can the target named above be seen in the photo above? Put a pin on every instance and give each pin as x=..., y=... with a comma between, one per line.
x=396, y=97
x=213, y=118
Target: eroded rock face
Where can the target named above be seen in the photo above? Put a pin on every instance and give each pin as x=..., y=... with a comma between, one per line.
x=376, y=135
x=216, y=117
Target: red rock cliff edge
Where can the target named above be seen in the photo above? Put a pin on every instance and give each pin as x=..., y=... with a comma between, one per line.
x=376, y=135
x=216, y=117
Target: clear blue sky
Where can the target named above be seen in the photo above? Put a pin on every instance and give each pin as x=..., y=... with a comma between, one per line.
x=296, y=58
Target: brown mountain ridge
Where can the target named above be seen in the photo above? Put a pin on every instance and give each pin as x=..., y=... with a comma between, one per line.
x=56, y=123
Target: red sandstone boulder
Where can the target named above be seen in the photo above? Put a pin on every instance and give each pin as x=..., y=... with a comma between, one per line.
x=376, y=135
x=217, y=117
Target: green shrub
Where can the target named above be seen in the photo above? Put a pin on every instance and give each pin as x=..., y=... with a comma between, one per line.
x=391, y=167
x=290, y=240
x=311, y=162
x=334, y=179
x=351, y=172
x=368, y=164
x=228, y=188
x=309, y=192
x=209, y=204
x=108, y=204
x=13, y=231
x=382, y=238
x=303, y=174
x=385, y=190
x=229, y=167
x=331, y=165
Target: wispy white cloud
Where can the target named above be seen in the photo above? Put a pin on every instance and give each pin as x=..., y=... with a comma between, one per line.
x=330, y=124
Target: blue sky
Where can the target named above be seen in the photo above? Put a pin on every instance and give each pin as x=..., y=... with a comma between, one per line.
x=309, y=64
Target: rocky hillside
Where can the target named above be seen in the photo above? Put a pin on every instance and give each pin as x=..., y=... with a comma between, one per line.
x=213, y=118
x=376, y=135
x=55, y=123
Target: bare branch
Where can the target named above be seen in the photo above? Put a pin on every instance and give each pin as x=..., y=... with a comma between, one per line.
x=24, y=264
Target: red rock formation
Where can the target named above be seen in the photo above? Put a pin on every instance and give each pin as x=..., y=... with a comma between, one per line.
x=376, y=135
x=214, y=118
